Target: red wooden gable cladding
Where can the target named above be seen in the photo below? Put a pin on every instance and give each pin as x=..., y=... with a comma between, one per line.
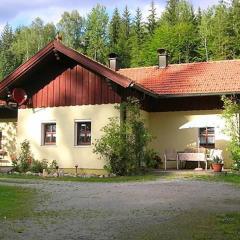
x=74, y=86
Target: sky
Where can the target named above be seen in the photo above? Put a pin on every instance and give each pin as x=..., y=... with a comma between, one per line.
x=22, y=12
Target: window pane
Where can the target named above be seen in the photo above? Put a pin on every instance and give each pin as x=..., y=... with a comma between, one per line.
x=211, y=140
x=49, y=133
x=83, y=133
x=203, y=140
x=207, y=136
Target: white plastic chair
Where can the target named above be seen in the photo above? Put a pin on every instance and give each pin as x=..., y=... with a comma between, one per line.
x=170, y=155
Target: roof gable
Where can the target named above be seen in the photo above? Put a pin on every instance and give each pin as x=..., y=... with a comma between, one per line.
x=56, y=47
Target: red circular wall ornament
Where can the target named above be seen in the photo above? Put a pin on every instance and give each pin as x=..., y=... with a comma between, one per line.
x=19, y=95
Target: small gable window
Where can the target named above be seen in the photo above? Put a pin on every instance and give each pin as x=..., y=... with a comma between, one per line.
x=49, y=133
x=83, y=133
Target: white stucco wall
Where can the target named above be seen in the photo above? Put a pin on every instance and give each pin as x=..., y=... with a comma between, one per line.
x=172, y=130
x=67, y=155
x=8, y=127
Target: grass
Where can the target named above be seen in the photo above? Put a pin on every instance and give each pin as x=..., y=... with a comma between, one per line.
x=228, y=178
x=15, y=202
x=233, y=178
x=194, y=226
x=139, y=178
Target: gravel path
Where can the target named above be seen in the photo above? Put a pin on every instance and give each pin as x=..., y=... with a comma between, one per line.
x=72, y=210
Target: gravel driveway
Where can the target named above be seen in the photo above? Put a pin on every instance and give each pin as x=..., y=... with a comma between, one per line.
x=72, y=210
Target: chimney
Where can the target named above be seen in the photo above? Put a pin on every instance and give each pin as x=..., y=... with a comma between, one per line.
x=162, y=58
x=113, y=61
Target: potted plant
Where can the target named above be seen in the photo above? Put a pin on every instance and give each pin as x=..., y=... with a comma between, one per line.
x=217, y=164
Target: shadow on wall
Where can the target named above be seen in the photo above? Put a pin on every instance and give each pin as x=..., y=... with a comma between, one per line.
x=9, y=138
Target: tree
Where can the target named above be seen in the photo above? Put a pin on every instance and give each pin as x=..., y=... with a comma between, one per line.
x=124, y=39
x=152, y=19
x=71, y=26
x=220, y=28
x=114, y=31
x=96, y=34
x=206, y=34
x=180, y=39
x=126, y=23
x=7, y=58
x=235, y=24
x=124, y=145
x=231, y=114
x=29, y=40
x=49, y=32
x=137, y=39
x=171, y=12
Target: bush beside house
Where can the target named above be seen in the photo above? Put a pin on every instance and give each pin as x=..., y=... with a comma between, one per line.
x=231, y=114
x=25, y=161
x=124, y=144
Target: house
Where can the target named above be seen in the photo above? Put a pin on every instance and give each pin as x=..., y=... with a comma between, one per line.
x=70, y=97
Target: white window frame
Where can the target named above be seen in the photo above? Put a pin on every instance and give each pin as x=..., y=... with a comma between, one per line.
x=75, y=132
x=43, y=133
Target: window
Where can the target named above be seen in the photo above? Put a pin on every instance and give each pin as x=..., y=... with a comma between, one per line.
x=49, y=134
x=0, y=140
x=83, y=133
x=207, y=137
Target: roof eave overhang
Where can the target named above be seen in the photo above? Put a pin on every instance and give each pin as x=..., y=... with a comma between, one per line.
x=144, y=90
x=197, y=94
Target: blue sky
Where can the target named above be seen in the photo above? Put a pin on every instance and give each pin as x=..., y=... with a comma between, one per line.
x=22, y=12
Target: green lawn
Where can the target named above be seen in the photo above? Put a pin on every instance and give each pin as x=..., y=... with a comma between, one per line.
x=15, y=202
x=194, y=226
x=138, y=178
x=229, y=178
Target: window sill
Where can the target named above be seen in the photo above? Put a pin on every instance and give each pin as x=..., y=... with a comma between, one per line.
x=82, y=146
x=48, y=145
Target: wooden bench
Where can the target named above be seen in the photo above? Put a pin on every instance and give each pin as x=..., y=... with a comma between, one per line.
x=193, y=157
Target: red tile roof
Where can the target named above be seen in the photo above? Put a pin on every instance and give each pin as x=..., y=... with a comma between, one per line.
x=189, y=79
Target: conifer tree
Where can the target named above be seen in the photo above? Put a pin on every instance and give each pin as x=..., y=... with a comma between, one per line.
x=220, y=28
x=137, y=40
x=124, y=39
x=235, y=23
x=7, y=59
x=171, y=12
x=152, y=19
x=114, y=31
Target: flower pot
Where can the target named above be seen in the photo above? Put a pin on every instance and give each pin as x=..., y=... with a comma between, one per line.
x=217, y=167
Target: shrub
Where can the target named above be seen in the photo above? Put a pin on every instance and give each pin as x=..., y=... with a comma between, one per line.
x=124, y=144
x=235, y=152
x=231, y=114
x=25, y=158
x=38, y=166
x=152, y=159
x=52, y=166
x=26, y=162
